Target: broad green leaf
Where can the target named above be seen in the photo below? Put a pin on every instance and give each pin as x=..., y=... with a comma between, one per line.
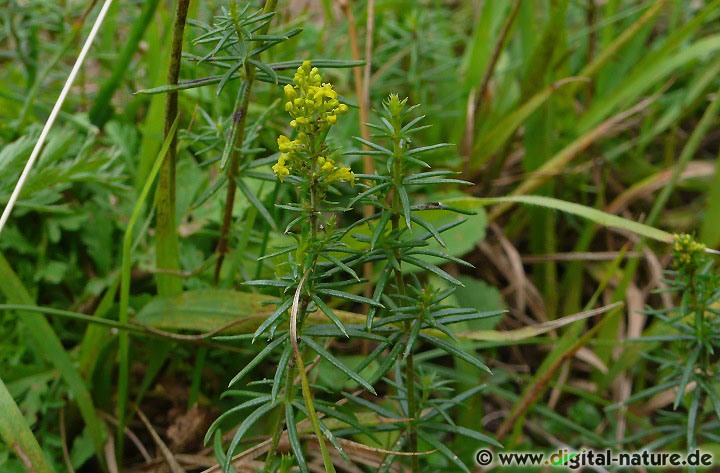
x=211, y=309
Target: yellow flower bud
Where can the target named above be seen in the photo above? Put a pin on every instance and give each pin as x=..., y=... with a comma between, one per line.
x=290, y=92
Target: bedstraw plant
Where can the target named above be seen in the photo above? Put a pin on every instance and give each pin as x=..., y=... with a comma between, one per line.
x=321, y=265
x=685, y=351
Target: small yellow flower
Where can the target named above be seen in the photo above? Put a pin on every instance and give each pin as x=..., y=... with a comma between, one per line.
x=342, y=174
x=685, y=249
x=280, y=169
x=284, y=144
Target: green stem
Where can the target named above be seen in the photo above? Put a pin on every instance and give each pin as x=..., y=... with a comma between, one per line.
x=239, y=121
x=297, y=317
x=277, y=432
x=166, y=246
x=400, y=283
x=124, y=315
x=307, y=397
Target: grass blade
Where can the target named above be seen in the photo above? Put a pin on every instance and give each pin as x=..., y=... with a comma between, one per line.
x=16, y=433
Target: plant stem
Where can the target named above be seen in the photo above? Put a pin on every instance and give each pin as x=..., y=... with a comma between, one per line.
x=400, y=283
x=297, y=317
x=124, y=316
x=277, y=432
x=166, y=245
x=239, y=122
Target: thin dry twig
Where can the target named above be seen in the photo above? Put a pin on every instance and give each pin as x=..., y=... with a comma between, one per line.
x=131, y=435
x=166, y=453
x=63, y=441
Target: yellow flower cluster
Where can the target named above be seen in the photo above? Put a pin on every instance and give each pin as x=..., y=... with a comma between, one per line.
x=314, y=107
x=685, y=248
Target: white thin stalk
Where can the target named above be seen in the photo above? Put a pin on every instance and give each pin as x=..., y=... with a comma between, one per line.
x=53, y=115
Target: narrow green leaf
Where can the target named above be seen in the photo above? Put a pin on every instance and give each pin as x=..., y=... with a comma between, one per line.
x=327, y=433
x=597, y=216
x=412, y=337
x=265, y=68
x=455, y=351
x=405, y=200
x=337, y=363
x=258, y=358
x=380, y=228
x=340, y=265
x=688, y=371
x=330, y=314
x=244, y=405
x=447, y=453
x=294, y=438
x=433, y=269
x=429, y=227
x=252, y=198
x=280, y=371
x=320, y=63
x=350, y=297
x=456, y=429
x=15, y=432
x=279, y=311
x=243, y=428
